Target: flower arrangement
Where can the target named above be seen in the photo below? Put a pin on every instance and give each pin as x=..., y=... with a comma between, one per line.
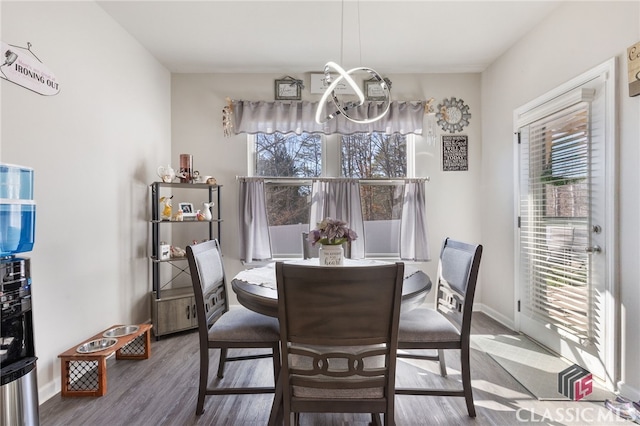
x=332, y=232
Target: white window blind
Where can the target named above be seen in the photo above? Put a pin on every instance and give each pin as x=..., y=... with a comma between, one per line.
x=554, y=218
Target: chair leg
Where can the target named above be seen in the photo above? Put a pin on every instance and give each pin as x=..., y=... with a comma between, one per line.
x=375, y=419
x=443, y=364
x=223, y=359
x=466, y=380
x=204, y=380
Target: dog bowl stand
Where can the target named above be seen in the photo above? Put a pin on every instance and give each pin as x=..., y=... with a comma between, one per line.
x=86, y=374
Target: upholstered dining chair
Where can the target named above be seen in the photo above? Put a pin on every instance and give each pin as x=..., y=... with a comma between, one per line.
x=448, y=326
x=338, y=332
x=224, y=329
x=308, y=250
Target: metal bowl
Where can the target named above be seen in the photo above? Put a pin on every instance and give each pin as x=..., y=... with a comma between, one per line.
x=96, y=345
x=123, y=330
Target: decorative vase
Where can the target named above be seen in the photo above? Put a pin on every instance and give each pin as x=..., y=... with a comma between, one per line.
x=207, y=211
x=331, y=255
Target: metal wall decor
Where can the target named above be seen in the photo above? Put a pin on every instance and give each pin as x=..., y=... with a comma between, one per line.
x=453, y=115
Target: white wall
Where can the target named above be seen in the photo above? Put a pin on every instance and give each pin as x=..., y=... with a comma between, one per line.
x=94, y=147
x=576, y=37
x=453, y=198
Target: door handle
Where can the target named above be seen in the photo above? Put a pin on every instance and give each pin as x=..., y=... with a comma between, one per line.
x=593, y=249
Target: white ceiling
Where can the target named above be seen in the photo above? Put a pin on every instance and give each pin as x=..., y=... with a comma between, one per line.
x=296, y=36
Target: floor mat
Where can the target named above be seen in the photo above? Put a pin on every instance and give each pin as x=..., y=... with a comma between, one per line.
x=532, y=365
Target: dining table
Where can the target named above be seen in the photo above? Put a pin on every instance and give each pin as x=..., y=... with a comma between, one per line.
x=256, y=288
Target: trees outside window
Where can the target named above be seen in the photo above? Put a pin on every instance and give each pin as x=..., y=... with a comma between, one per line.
x=366, y=156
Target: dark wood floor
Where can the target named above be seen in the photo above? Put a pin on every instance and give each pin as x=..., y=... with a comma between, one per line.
x=162, y=391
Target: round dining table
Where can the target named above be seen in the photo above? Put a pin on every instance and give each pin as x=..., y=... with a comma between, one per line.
x=256, y=288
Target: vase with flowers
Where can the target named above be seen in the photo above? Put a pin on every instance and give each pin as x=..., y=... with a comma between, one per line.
x=331, y=234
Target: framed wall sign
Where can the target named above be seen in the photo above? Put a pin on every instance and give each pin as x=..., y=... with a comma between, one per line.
x=319, y=85
x=373, y=91
x=455, y=153
x=288, y=90
x=633, y=67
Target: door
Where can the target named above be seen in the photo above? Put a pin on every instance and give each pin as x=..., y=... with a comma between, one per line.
x=565, y=294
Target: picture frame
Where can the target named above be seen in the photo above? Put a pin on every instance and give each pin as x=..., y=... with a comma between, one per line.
x=373, y=90
x=288, y=89
x=187, y=210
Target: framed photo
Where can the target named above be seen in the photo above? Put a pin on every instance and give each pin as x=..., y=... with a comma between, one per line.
x=373, y=91
x=288, y=90
x=187, y=209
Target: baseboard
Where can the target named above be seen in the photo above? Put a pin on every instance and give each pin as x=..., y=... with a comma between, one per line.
x=628, y=392
x=493, y=314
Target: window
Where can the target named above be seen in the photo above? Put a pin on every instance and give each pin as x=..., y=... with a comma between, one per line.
x=291, y=160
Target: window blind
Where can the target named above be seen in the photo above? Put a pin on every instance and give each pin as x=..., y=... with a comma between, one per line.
x=554, y=218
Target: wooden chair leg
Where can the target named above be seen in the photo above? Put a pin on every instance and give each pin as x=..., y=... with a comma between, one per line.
x=466, y=381
x=443, y=364
x=204, y=381
x=223, y=359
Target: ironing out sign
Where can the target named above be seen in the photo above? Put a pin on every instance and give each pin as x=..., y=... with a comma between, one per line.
x=21, y=66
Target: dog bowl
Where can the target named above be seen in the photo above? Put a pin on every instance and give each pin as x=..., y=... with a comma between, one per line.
x=123, y=330
x=96, y=345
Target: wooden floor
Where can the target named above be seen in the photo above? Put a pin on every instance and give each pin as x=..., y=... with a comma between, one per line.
x=162, y=391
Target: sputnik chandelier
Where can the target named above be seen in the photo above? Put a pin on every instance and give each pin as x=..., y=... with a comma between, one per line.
x=343, y=106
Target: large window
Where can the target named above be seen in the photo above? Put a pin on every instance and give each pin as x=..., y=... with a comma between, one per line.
x=291, y=160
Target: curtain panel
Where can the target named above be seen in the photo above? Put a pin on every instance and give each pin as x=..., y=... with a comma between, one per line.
x=339, y=199
x=299, y=117
x=413, y=225
x=255, y=242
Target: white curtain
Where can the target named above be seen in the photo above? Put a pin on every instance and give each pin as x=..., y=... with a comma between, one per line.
x=413, y=225
x=339, y=199
x=299, y=117
x=254, y=227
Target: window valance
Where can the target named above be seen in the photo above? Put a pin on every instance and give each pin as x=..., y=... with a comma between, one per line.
x=298, y=117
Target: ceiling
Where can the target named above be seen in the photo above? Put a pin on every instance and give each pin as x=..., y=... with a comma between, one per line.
x=296, y=36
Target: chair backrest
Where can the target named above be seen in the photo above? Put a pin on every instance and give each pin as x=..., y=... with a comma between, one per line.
x=308, y=250
x=336, y=310
x=457, y=278
x=208, y=280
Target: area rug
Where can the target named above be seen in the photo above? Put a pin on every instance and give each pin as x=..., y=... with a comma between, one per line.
x=535, y=367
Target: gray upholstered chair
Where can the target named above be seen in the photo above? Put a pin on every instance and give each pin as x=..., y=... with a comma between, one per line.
x=224, y=329
x=448, y=326
x=338, y=332
x=308, y=250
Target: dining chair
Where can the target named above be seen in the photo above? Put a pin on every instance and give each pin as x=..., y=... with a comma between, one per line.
x=338, y=332
x=448, y=326
x=224, y=329
x=309, y=250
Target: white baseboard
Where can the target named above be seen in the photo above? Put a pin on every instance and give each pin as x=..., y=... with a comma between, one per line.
x=628, y=392
x=507, y=322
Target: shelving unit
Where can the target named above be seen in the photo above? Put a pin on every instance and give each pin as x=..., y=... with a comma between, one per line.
x=173, y=309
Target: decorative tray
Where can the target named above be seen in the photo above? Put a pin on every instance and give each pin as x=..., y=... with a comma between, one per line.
x=123, y=330
x=96, y=345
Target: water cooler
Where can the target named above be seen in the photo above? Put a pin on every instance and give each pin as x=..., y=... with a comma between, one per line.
x=19, y=387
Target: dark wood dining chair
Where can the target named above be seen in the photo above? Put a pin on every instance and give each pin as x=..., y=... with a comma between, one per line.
x=224, y=329
x=448, y=326
x=309, y=250
x=338, y=332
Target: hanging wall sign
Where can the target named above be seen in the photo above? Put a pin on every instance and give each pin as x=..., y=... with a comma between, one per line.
x=21, y=66
x=633, y=68
x=455, y=153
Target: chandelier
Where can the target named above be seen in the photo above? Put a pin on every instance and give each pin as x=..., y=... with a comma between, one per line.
x=346, y=107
